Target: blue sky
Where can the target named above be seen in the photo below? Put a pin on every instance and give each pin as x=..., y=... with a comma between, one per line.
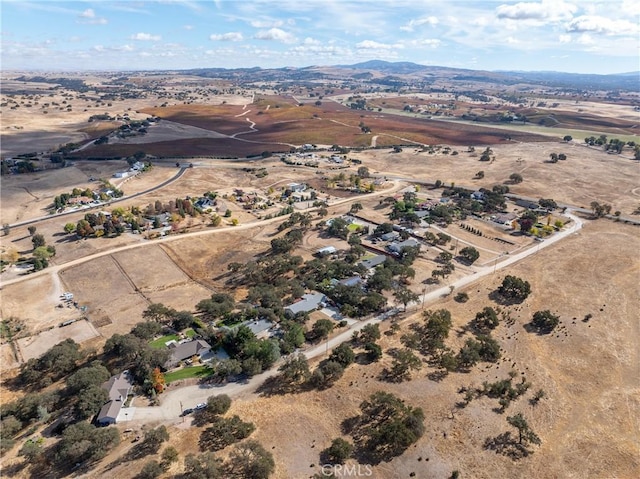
x=582, y=36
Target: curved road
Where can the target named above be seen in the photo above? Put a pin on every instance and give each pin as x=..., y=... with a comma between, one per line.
x=115, y=200
x=254, y=224
x=175, y=400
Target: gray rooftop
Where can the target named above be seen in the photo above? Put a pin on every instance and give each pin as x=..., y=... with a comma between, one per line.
x=373, y=262
x=309, y=302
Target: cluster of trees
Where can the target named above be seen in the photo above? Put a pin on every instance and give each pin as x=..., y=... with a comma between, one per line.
x=446, y=266
x=295, y=374
x=554, y=157
x=486, y=155
x=514, y=289
x=62, y=200
x=504, y=390
x=179, y=206
x=79, y=398
x=41, y=251
x=132, y=351
x=164, y=316
x=429, y=338
x=544, y=321
x=469, y=254
x=248, y=354
x=247, y=459
x=221, y=431
x=613, y=144
x=600, y=210
x=108, y=226
x=385, y=428
x=493, y=201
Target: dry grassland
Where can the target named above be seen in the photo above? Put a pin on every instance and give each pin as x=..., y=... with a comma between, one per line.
x=30, y=196
x=587, y=175
x=588, y=370
x=114, y=305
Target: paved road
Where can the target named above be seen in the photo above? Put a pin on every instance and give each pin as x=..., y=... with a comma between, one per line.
x=254, y=224
x=173, y=401
x=115, y=200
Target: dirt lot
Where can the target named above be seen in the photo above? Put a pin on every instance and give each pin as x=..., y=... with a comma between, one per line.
x=36, y=346
x=35, y=302
x=587, y=175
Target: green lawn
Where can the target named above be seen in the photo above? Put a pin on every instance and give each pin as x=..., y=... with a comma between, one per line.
x=186, y=373
x=189, y=333
x=160, y=342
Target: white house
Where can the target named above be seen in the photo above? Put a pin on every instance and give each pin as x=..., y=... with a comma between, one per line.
x=118, y=387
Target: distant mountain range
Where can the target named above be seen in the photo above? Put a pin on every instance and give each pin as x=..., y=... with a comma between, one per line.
x=398, y=73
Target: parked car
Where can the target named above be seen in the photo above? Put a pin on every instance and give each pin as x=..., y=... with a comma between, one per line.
x=186, y=412
x=200, y=406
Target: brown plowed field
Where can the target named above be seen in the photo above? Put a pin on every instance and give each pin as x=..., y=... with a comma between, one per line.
x=279, y=123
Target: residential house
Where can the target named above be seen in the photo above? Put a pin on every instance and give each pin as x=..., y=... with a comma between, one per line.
x=371, y=263
x=352, y=281
x=398, y=248
x=531, y=205
x=302, y=195
x=296, y=187
x=505, y=219
x=259, y=327
x=186, y=350
x=478, y=196
x=326, y=251
x=204, y=203
x=390, y=236
x=118, y=387
x=309, y=302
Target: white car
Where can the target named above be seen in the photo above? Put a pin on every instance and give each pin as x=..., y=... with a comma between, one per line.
x=200, y=406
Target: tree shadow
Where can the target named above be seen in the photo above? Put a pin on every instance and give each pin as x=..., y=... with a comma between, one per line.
x=501, y=300
x=506, y=445
x=438, y=375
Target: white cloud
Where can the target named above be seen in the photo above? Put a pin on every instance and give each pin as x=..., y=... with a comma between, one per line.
x=564, y=38
x=145, y=37
x=373, y=45
x=188, y=27
x=585, y=39
x=88, y=13
x=409, y=27
x=630, y=7
x=310, y=41
x=89, y=17
x=275, y=34
x=550, y=10
x=267, y=23
x=430, y=42
x=323, y=50
x=227, y=37
x=607, y=26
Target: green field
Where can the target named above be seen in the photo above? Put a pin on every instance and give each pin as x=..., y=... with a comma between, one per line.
x=187, y=373
x=161, y=342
